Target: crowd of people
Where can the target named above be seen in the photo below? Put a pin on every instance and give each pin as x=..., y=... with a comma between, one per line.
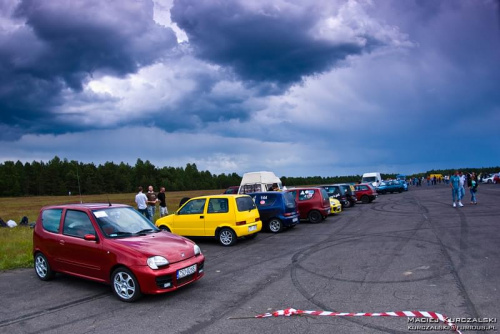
x=146, y=203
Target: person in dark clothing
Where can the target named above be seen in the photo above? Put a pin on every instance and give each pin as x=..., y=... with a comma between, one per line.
x=163, y=202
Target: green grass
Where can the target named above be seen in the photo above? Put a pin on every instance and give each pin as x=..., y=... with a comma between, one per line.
x=15, y=248
x=16, y=243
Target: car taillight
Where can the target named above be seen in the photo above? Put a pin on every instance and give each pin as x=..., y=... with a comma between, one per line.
x=257, y=219
x=287, y=214
x=241, y=223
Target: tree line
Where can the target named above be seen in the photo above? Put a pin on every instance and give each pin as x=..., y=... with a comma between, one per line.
x=59, y=177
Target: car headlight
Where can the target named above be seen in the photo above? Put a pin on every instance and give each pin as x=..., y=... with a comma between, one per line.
x=197, y=250
x=155, y=262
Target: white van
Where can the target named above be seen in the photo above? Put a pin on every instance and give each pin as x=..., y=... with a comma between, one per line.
x=259, y=181
x=373, y=178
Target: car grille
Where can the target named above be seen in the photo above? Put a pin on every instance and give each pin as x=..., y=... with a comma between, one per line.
x=167, y=281
x=185, y=280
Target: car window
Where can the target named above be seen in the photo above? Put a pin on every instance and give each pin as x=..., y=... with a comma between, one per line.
x=306, y=194
x=290, y=199
x=245, y=203
x=324, y=193
x=218, y=205
x=250, y=188
x=363, y=188
x=332, y=190
x=77, y=224
x=194, y=206
x=51, y=220
x=265, y=200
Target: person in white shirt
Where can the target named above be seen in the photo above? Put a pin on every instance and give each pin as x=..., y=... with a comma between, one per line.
x=461, y=186
x=141, y=200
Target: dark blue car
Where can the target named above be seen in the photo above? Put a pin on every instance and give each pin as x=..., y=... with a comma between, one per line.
x=277, y=210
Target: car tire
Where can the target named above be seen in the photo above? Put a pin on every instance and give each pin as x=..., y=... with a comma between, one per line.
x=347, y=204
x=164, y=228
x=315, y=217
x=226, y=237
x=490, y=182
x=125, y=286
x=365, y=199
x=42, y=268
x=275, y=225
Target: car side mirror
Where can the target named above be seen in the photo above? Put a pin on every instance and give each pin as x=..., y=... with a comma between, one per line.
x=89, y=237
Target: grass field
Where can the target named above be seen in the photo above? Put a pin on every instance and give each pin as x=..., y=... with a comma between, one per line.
x=16, y=243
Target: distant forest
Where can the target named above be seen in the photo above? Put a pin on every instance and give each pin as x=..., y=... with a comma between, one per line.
x=59, y=177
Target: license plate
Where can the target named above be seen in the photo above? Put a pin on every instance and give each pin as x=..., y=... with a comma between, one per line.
x=295, y=219
x=252, y=228
x=186, y=271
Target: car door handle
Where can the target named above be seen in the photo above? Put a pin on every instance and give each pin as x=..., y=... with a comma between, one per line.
x=201, y=217
x=61, y=242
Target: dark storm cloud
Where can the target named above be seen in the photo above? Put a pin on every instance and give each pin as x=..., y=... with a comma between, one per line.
x=265, y=45
x=58, y=45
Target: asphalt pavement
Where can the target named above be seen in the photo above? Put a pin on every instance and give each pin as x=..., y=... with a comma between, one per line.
x=403, y=252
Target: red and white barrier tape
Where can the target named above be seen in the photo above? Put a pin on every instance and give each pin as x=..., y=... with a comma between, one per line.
x=414, y=314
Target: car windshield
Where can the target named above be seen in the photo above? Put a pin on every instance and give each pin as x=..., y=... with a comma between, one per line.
x=333, y=190
x=369, y=179
x=123, y=222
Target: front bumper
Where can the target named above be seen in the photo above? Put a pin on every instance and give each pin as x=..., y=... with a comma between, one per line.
x=165, y=279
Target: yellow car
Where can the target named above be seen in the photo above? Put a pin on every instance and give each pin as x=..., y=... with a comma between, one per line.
x=225, y=217
x=335, y=206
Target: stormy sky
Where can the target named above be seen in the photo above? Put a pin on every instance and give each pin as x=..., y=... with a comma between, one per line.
x=297, y=87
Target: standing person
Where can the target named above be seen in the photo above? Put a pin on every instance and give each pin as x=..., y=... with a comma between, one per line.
x=163, y=202
x=462, y=185
x=141, y=200
x=151, y=203
x=455, y=189
x=473, y=188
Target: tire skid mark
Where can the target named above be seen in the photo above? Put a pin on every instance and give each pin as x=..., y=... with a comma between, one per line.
x=451, y=266
x=53, y=309
x=300, y=255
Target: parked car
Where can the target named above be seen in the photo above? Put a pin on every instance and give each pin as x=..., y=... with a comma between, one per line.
x=258, y=182
x=338, y=193
x=335, y=206
x=224, y=217
x=314, y=203
x=232, y=190
x=391, y=186
x=350, y=193
x=365, y=192
x=373, y=178
x=489, y=178
x=277, y=210
x=116, y=245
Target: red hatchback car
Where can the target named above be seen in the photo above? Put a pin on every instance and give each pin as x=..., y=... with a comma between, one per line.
x=365, y=192
x=313, y=203
x=113, y=244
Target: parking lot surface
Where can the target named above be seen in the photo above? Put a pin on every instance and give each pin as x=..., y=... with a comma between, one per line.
x=403, y=252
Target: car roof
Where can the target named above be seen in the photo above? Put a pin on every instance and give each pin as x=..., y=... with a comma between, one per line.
x=220, y=196
x=88, y=206
x=266, y=193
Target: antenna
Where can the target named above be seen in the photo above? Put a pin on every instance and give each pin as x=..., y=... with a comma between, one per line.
x=109, y=202
x=78, y=178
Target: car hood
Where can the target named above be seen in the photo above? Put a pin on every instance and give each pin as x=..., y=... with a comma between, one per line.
x=173, y=247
